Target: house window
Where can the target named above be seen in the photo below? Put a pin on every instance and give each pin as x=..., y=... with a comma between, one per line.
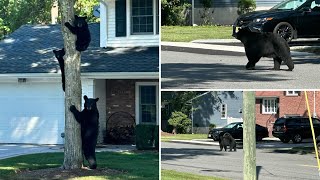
x=292, y=93
x=142, y=17
x=146, y=103
x=269, y=106
x=223, y=111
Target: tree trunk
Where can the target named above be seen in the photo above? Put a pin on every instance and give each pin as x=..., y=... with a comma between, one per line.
x=73, y=91
x=249, y=136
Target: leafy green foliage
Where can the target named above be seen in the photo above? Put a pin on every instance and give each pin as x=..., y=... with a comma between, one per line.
x=15, y=13
x=180, y=122
x=85, y=8
x=173, y=12
x=147, y=136
x=245, y=6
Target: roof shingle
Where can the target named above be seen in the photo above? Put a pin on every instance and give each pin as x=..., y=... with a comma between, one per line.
x=29, y=50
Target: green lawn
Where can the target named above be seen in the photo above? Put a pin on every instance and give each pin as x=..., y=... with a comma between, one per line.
x=190, y=33
x=137, y=165
x=184, y=137
x=174, y=175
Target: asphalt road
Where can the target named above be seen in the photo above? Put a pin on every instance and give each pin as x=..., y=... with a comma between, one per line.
x=208, y=160
x=215, y=69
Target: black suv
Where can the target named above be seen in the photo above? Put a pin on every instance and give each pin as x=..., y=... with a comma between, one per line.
x=290, y=19
x=236, y=131
x=295, y=128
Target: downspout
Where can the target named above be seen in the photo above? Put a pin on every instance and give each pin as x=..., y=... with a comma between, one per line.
x=103, y=24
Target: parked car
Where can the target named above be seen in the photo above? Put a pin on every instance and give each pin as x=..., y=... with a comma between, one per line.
x=290, y=19
x=295, y=128
x=236, y=130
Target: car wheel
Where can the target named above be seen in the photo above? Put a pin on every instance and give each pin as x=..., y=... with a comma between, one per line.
x=284, y=140
x=297, y=138
x=285, y=30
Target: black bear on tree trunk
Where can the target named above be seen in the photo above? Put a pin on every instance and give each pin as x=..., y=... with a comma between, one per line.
x=81, y=30
x=59, y=55
x=259, y=45
x=89, y=121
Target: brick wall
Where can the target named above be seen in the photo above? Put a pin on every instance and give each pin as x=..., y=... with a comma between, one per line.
x=120, y=102
x=288, y=105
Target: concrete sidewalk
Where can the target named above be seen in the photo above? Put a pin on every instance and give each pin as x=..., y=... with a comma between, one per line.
x=209, y=47
x=12, y=150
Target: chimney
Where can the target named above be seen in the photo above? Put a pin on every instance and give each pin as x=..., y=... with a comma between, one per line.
x=54, y=12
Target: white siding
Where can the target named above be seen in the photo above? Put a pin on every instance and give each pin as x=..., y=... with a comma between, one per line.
x=129, y=40
x=100, y=92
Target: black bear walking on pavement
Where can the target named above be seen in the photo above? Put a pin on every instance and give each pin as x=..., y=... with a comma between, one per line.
x=59, y=55
x=259, y=45
x=89, y=121
x=81, y=30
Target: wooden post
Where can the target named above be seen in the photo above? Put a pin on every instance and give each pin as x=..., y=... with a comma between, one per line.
x=249, y=136
x=73, y=92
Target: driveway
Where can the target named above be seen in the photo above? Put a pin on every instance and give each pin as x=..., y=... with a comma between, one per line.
x=11, y=150
x=272, y=163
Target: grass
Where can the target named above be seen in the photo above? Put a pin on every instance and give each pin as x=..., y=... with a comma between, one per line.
x=174, y=175
x=138, y=165
x=183, y=137
x=190, y=33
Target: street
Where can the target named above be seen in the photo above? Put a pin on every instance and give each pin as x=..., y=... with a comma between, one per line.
x=207, y=160
x=198, y=68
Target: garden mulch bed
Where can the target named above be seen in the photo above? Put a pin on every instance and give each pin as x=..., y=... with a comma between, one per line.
x=59, y=173
x=166, y=134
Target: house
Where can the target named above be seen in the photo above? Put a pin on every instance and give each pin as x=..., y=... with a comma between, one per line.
x=121, y=67
x=218, y=107
x=224, y=12
x=271, y=105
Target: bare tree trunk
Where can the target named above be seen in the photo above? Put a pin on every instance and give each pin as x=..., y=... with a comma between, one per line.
x=73, y=91
x=249, y=136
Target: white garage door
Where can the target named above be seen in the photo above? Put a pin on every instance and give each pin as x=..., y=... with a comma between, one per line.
x=31, y=113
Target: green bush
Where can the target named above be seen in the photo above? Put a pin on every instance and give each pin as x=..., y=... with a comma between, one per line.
x=180, y=122
x=173, y=12
x=146, y=136
x=212, y=126
x=245, y=6
x=156, y=138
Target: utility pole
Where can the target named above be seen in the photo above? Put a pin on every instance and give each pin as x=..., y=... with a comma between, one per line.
x=249, y=136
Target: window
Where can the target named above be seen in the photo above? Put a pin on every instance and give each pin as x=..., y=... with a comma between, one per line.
x=146, y=103
x=269, y=106
x=142, y=16
x=223, y=111
x=292, y=93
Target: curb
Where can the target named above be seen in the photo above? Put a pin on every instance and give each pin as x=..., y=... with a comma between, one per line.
x=200, y=50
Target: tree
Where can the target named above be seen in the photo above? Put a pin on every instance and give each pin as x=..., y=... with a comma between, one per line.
x=73, y=91
x=173, y=12
x=245, y=6
x=15, y=13
x=249, y=136
x=180, y=122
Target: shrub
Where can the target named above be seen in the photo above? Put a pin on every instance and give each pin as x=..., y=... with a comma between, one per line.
x=205, y=14
x=173, y=12
x=245, y=6
x=180, y=122
x=146, y=136
x=211, y=126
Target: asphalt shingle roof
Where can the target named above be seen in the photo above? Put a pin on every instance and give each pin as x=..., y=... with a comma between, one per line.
x=29, y=50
